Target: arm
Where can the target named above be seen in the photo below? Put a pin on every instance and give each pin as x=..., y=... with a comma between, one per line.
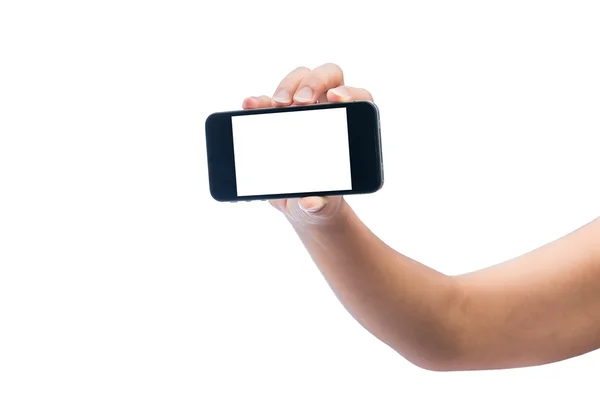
x=539, y=308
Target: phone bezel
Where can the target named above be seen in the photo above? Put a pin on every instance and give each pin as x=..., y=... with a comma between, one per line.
x=366, y=160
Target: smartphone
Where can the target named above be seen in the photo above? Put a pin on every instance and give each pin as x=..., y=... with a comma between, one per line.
x=313, y=150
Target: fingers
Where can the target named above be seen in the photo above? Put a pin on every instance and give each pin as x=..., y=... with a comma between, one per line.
x=288, y=86
x=347, y=93
x=256, y=102
x=303, y=86
x=334, y=95
x=315, y=84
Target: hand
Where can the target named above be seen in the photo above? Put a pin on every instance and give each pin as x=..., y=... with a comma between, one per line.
x=304, y=86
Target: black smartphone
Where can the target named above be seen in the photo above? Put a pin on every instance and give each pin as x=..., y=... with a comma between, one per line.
x=314, y=150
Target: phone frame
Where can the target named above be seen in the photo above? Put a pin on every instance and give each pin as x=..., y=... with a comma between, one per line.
x=364, y=137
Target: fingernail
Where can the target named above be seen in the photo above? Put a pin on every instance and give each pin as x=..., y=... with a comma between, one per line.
x=312, y=204
x=283, y=96
x=304, y=95
x=341, y=92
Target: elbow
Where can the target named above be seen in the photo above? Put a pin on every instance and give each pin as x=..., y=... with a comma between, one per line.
x=442, y=342
x=448, y=360
x=436, y=352
x=440, y=365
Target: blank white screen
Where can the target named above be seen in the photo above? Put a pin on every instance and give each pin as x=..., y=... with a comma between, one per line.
x=291, y=152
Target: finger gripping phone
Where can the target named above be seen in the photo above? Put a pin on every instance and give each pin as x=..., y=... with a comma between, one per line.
x=315, y=150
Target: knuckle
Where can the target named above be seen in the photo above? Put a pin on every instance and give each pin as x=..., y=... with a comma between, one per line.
x=333, y=74
x=301, y=69
x=333, y=66
x=293, y=77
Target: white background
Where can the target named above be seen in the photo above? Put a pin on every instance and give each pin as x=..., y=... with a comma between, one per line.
x=120, y=277
x=295, y=152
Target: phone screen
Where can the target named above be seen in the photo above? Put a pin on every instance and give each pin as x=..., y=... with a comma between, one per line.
x=291, y=152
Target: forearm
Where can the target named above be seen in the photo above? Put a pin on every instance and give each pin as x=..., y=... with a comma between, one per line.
x=405, y=304
x=541, y=307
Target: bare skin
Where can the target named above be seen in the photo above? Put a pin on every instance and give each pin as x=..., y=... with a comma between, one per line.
x=539, y=308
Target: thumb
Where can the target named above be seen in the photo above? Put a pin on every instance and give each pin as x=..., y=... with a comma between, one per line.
x=312, y=204
x=314, y=210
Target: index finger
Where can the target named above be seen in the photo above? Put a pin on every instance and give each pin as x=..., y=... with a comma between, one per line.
x=287, y=87
x=315, y=84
